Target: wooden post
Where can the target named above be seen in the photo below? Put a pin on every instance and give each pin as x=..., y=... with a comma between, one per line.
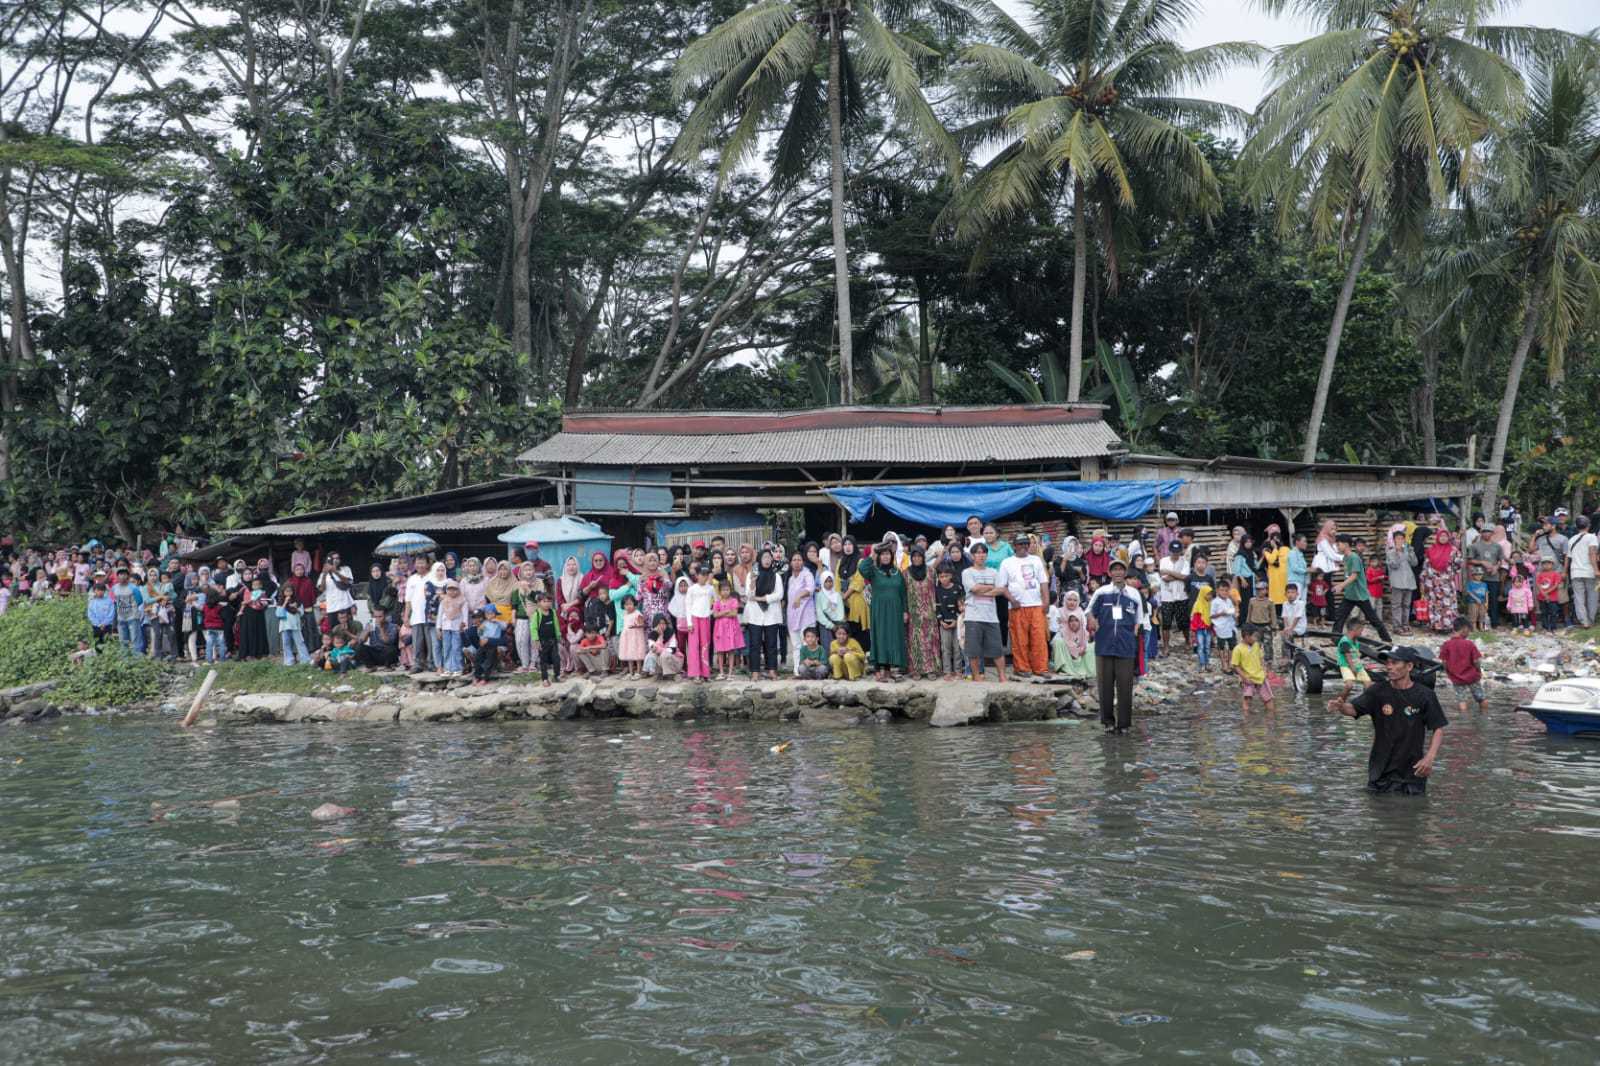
x=1466, y=501
x=200, y=698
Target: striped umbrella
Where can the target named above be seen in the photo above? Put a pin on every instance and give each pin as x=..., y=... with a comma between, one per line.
x=406, y=544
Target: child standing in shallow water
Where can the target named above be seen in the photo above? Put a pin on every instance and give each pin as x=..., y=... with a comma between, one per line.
x=727, y=632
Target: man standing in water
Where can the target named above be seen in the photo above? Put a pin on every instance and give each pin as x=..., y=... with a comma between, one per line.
x=1114, y=612
x=1403, y=713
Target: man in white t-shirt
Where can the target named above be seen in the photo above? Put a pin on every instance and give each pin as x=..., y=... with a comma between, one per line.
x=417, y=614
x=334, y=584
x=1025, y=579
x=1174, y=595
x=1583, y=561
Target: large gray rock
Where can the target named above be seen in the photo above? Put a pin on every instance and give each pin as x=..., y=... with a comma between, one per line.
x=960, y=704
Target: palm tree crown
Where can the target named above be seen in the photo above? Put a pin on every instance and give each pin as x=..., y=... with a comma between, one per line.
x=808, y=57
x=1088, y=100
x=1385, y=106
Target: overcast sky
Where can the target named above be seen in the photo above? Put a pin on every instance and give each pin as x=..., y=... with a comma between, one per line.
x=1234, y=20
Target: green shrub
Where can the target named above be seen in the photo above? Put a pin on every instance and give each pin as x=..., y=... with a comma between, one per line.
x=113, y=678
x=37, y=640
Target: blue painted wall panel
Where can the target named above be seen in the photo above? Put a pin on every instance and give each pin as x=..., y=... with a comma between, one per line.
x=647, y=491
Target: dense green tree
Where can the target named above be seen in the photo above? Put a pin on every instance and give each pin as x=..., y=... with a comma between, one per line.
x=1370, y=121
x=1535, y=226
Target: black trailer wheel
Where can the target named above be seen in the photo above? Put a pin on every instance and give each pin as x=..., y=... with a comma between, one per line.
x=1307, y=679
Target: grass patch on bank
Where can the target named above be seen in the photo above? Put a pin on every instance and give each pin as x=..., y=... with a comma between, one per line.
x=37, y=639
x=268, y=676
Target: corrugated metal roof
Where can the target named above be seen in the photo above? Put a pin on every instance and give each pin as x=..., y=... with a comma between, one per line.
x=882, y=445
x=497, y=487
x=425, y=523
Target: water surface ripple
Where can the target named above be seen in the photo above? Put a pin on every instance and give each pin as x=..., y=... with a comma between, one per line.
x=1210, y=888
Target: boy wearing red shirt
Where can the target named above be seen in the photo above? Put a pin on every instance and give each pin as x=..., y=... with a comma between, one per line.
x=1461, y=657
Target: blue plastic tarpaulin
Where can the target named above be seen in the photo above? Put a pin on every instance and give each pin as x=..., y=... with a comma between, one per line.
x=939, y=505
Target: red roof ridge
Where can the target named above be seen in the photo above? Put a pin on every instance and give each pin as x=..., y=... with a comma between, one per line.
x=736, y=422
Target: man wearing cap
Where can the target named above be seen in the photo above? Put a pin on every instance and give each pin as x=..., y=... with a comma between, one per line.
x=1023, y=578
x=1173, y=594
x=1114, y=612
x=1167, y=534
x=1403, y=713
x=540, y=567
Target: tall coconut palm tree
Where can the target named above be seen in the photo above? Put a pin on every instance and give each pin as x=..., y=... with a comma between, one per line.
x=805, y=60
x=1536, y=212
x=1082, y=103
x=1372, y=119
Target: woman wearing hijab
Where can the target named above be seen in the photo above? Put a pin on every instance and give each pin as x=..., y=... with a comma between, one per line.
x=802, y=608
x=922, y=617
x=830, y=606
x=889, y=615
x=253, y=604
x=1071, y=653
x=764, y=615
x=380, y=592
x=499, y=582
x=433, y=587
x=472, y=583
x=857, y=613
x=569, y=610
x=830, y=551
x=655, y=592
x=1440, y=582
x=1245, y=564
x=627, y=585
x=452, y=565
x=597, y=585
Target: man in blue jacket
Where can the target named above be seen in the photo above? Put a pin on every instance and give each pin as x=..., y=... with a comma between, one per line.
x=1114, y=612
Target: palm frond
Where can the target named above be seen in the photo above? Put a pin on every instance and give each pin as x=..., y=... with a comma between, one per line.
x=728, y=45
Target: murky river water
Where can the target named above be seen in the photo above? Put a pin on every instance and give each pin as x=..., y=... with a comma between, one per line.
x=1209, y=889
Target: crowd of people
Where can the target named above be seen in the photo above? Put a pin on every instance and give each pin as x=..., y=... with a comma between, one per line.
x=967, y=602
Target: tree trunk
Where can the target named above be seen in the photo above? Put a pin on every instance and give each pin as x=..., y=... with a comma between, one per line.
x=924, y=352
x=522, y=291
x=1508, y=403
x=1080, y=281
x=841, y=257
x=579, y=359
x=1330, y=354
x=1425, y=416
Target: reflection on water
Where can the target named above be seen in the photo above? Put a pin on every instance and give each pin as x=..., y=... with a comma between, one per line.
x=1211, y=887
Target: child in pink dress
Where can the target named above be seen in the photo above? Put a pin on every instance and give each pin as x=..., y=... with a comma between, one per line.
x=1519, y=602
x=728, y=633
x=631, y=644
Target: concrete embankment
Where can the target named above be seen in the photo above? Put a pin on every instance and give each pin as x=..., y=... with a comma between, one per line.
x=936, y=703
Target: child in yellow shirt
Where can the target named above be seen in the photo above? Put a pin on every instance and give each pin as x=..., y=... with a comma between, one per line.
x=845, y=657
x=1252, y=671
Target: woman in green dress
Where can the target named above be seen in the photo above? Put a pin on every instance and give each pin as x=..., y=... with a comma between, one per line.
x=889, y=617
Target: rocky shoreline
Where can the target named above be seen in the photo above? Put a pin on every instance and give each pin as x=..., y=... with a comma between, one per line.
x=434, y=699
